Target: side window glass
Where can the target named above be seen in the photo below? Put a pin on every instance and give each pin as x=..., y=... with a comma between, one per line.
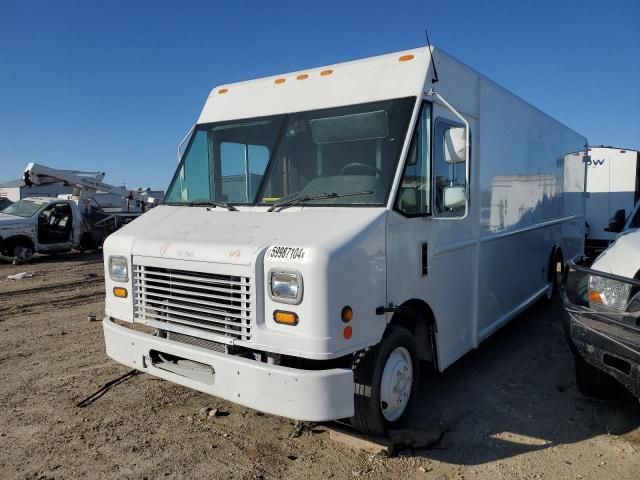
x=449, y=169
x=414, y=195
x=192, y=182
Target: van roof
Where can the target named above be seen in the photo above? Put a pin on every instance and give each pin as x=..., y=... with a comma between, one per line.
x=394, y=75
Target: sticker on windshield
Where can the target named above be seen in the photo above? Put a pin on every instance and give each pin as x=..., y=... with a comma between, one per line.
x=293, y=254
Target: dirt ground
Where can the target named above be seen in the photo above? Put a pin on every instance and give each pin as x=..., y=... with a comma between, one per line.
x=509, y=409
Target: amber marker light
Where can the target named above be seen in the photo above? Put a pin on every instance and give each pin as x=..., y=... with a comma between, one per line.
x=278, y=81
x=223, y=90
x=324, y=73
x=405, y=58
x=303, y=76
x=285, y=318
x=346, y=314
x=120, y=292
x=347, y=333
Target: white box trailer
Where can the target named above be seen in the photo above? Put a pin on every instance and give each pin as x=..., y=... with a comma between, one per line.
x=327, y=228
x=613, y=184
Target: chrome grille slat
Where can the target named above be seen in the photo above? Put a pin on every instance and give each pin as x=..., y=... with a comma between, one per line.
x=193, y=276
x=162, y=304
x=213, y=303
x=204, y=324
x=205, y=288
x=199, y=301
x=187, y=296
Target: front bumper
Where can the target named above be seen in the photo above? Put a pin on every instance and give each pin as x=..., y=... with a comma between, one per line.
x=309, y=395
x=608, y=345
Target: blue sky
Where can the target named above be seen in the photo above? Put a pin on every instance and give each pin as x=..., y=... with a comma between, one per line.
x=114, y=85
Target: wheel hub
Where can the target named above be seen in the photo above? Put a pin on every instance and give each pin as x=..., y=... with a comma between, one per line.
x=396, y=383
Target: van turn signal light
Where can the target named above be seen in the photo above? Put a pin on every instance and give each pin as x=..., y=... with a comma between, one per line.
x=347, y=332
x=120, y=292
x=285, y=318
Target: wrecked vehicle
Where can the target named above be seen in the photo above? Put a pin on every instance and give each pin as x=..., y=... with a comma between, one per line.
x=603, y=318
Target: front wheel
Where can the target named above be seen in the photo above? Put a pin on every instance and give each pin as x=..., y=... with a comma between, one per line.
x=385, y=377
x=22, y=253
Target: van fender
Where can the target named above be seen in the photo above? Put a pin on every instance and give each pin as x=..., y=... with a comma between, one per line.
x=417, y=316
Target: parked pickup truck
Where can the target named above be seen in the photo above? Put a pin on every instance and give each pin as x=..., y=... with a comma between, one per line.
x=53, y=225
x=603, y=314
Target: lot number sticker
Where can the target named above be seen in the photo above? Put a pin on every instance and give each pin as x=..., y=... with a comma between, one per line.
x=292, y=254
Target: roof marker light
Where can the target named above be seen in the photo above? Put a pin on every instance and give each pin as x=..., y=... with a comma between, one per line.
x=324, y=73
x=223, y=90
x=279, y=80
x=303, y=76
x=405, y=58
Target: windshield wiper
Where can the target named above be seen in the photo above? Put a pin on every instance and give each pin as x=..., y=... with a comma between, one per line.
x=204, y=203
x=305, y=198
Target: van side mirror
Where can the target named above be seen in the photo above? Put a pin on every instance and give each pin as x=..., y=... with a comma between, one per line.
x=616, y=224
x=454, y=198
x=455, y=145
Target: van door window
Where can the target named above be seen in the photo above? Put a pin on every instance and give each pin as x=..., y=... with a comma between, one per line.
x=414, y=195
x=449, y=172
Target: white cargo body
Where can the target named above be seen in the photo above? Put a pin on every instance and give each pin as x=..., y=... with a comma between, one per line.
x=326, y=228
x=613, y=183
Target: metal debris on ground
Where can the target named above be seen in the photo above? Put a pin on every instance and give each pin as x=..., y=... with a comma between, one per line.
x=91, y=317
x=20, y=276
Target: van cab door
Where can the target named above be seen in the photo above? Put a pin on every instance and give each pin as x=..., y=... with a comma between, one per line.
x=431, y=234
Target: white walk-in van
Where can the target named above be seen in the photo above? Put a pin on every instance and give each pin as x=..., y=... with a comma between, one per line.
x=327, y=229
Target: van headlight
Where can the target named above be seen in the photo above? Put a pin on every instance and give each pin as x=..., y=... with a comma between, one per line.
x=119, y=268
x=285, y=286
x=608, y=293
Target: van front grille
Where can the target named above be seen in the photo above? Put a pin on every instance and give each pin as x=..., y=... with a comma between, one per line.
x=216, y=304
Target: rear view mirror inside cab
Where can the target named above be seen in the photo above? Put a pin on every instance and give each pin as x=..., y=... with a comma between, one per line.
x=455, y=144
x=454, y=197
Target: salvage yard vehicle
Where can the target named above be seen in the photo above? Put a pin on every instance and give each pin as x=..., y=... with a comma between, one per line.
x=327, y=229
x=603, y=319
x=54, y=225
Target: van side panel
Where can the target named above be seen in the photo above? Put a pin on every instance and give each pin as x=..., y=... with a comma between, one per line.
x=524, y=211
x=486, y=268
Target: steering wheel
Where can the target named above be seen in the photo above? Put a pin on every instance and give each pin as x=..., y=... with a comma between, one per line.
x=360, y=165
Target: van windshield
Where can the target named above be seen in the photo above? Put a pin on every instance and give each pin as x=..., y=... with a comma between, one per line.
x=267, y=160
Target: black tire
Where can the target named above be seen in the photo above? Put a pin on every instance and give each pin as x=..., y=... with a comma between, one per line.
x=22, y=253
x=593, y=382
x=368, y=367
x=555, y=277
